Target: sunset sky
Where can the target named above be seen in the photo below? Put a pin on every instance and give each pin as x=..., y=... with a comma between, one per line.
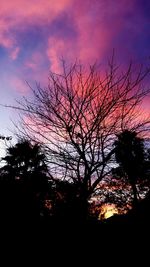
x=35, y=34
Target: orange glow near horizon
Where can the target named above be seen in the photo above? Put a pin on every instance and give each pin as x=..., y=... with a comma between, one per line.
x=107, y=211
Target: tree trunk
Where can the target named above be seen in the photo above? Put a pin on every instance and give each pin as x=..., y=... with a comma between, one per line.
x=135, y=194
x=83, y=205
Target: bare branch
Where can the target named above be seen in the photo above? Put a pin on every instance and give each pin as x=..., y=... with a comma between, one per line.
x=79, y=114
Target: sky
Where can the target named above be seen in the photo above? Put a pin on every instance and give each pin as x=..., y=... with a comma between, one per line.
x=35, y=34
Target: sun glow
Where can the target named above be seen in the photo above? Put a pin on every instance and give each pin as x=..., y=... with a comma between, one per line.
x=107, y=211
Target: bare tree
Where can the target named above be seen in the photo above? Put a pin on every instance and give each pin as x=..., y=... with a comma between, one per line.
x=78, y=116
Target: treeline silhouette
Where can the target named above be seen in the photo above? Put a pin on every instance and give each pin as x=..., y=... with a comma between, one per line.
x=29, y=194
x=86, y=131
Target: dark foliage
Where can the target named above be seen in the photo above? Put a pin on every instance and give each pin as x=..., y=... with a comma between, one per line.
x=23, y=182
x=130, y=155
x=28, y=194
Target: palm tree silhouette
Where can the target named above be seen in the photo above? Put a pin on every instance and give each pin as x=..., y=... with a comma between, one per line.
x=24, y=159
x=24, y=180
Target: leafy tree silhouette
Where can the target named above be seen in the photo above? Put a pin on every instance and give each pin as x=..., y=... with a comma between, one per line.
x=67, y=205
x=64, y=201
x=24, y=158
x=23, y=180
x=130, y=155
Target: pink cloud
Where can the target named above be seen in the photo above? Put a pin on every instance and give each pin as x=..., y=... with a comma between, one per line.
x=94, y=31
x=97, y=23
x=56, y=49
x=22, y=13
x=59, y=49
x=33, y=8
x=35, y=61
x=91, y=20
x=5, y=40
x=14, y=53
x=19, y=85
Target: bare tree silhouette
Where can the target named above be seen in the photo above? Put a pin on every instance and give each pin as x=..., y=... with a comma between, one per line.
x=78, y=116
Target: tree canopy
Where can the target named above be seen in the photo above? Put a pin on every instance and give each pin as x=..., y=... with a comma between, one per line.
x=23, y=159
x=130, y=155
x=78, y=116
